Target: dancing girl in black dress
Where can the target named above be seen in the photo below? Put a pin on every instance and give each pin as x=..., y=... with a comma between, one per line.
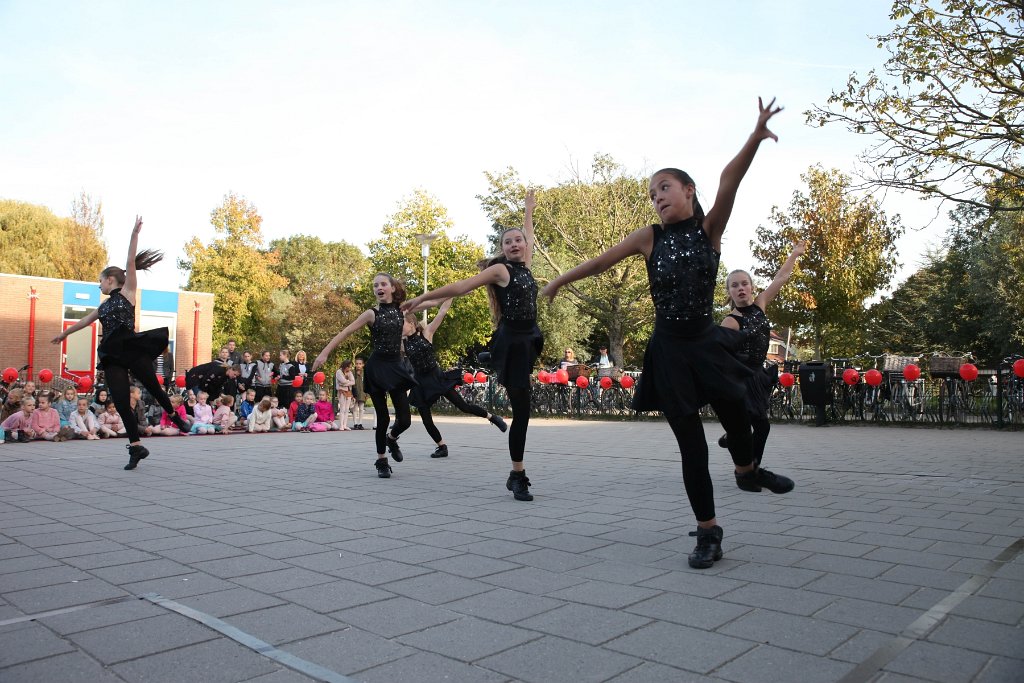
x=690, y=361
x=123, y=350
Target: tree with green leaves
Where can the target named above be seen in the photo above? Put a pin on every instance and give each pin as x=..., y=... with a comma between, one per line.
x=851, y=256
x=947, y=110
x=237, y=270
x=575, y=221
x=452, y=258
x=35, y=241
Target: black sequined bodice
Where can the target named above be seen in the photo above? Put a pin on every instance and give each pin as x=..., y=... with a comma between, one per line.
x=386, y=331
x=116, y=313
x=756, y=330
x=682, y=269
x=518, y=300
x=420, y=353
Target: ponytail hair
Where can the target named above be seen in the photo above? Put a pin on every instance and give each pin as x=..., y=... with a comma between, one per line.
x=416, y=322
x=399, y=295
x=144, y=260
x=685, y=179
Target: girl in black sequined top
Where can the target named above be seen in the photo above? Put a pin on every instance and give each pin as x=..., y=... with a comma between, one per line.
x=386, y=373
x=517, y=342
x=432, y=382
x=748, y=317
x=689, y=360
x=122, y=349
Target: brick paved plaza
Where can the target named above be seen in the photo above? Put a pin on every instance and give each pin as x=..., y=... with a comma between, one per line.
x=254, y=558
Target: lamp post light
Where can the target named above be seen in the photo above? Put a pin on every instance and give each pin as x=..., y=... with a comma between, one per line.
x=425, y=239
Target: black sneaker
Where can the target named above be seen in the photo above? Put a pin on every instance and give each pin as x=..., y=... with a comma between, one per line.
x=135, y=454
x=383, y=468
x=709, y=547
x=519, y=485
x=723, y=441
x=760, y=478
x=440, y=452
x=498, y=422
x=359, y=427
x=396, y=452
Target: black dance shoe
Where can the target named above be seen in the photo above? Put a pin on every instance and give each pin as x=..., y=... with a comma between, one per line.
x=440, y=452
x=709, y=547
x=723, y=441
x=396, y=452
x=519, y=485
x=135, y=454
x=761, y=478
x=383, y=468
x=498, y=422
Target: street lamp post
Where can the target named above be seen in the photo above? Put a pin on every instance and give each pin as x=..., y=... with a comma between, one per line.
x=425, y=239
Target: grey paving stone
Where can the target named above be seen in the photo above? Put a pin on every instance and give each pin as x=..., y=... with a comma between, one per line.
x=121, y=642
x=232, y=601
x=855, y=566
x=429, y=668
x=283, y=580
x=395, y=617
x=239, y=565
x=531, y=580
x=84, y=548
x=282, y=676
x=790, y=577
x=919, y=576
x=288, y=549
x=802, y=634
x=470, y=565
x=205, y=551
x=688, y=610
x=554, y=560
x=551, y=658
x=69, y=667
x=27, y=562
x=938, y=662
x=661, y=642
x=98, y=617
x=693, y=582
x=377, y=572
x=334, y=596
x=117, y=557
x=871, y=615
x=349, y=651
x=468, y=639
x=416, y=554
x=27, y=642
x=865, y=589
x=767, y=664
x=861, y=646
x=181, y=586
x=212, y=662
x=48, y=598
x=141, y=571
x=778, y=599
x=49, y=576
x=1002, y=670
x=982, y=636
x=334, y=562
x=283, y=624
x=437, y=588
x=584, y=623
x=503, y=606
x=648, y=672
x=604, y=594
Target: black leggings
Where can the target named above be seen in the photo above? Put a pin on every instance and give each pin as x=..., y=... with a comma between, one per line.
x=457, y=401
x=119, y=386
x=761, y=427
x=400, y=400
x=519, y=399
x=693, y=448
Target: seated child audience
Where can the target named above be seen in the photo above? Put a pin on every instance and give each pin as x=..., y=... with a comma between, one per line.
x=261, y=418
x=67, y=404
x=84, y=423
x=224, y=418
x=325, y=412
x=18, y=427
x=12, y=404
x=99, y=402
x=245, y=407
x=46, y=420
x=166, y=427
x=305, y=414
x=293, y=409
x=204, y=415
x=110, y=422
x=278, y=415
x=139, y=408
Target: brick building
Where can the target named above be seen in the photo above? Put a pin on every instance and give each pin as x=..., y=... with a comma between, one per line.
x=38, y=308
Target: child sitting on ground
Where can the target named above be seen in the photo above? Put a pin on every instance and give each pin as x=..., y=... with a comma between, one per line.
x=66, y=406
x=12, y=404
x=99, y=402
x=278, y=415
x=46, y=421
x=166, y=427
x=84, y=423
x=224, y=417
x=110, y=422
x=245, y=407
x=261, y=418
x=325, y=412
x=305, y=414
x=139, y=409
x=293, y=409
x=18, y=427
x=204, y=415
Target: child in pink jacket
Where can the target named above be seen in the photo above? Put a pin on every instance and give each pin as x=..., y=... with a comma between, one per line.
x=325, y=411
x=224, y=417
x=110, y=421
x=18, y=426
x=46, y=420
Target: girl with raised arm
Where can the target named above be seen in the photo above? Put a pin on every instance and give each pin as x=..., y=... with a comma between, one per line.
x=689, y=360
x=123, y=350
x=433, y=383
x=386, y=373
x=517, y=342
x=748, y=317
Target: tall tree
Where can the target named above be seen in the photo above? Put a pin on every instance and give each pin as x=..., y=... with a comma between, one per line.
x=850, y=257
x=88, y=212
x=35, y=241
x=947, y=110
x=451, y=258
x=574, y=221
x=311, y=265
x=235, y=268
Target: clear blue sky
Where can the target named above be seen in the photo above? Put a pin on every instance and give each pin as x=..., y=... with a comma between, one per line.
x=326, y=114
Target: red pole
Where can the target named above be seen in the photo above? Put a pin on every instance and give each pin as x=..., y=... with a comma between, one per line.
x=195, y=336
x=32, y=296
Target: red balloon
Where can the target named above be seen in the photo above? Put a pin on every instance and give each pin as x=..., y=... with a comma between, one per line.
x=1018, y=367
x=319, y=378
x=786, y=379
x=606, y=382
x=543, y=376
x=179, y=381
x=10, y=374
x=562, y=376
x=297, y=382
x=85, y=383
x=45, y=375
x=911, y=372
x=160, y=380
x=851, y=376
x=467, y=378
x=582, y=382
x=968, y=372
x=873, y=377
x=627, y=382
x=481, y=377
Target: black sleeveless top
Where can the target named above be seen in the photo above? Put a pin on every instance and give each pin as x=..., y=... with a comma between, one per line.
x=420, y=353
x=386, y=331
x=518, y=300
x=116, y=314
x=682, y=270
x=756, y=330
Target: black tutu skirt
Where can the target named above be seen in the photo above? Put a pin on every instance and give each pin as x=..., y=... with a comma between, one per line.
x=683, y=372
x=387, y=373
x=514, y=350
x=124, y=346
x=432, y=386
x=759, y=390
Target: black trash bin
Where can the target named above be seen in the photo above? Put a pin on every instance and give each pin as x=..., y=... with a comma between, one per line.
x=816, y=387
